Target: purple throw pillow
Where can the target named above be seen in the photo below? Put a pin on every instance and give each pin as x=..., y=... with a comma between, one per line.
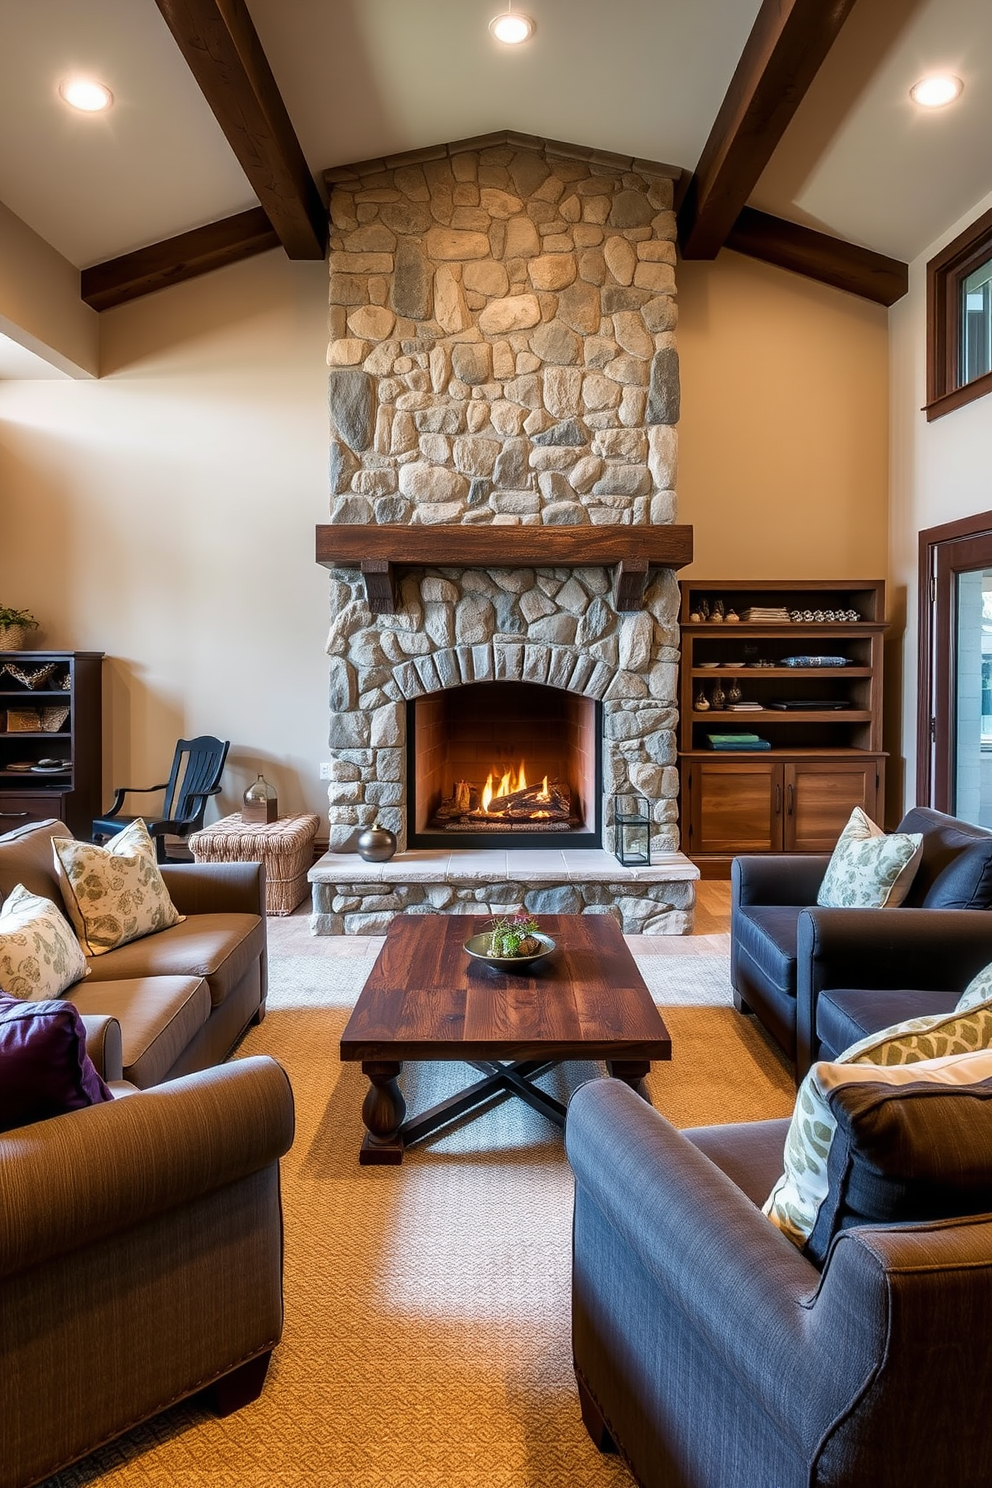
x=44, y=1067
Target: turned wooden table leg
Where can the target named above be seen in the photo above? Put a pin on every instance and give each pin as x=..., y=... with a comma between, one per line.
x=632, y=1072
x=382, y=1111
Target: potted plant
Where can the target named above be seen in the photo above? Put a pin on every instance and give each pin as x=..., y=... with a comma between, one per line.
x=13, y=625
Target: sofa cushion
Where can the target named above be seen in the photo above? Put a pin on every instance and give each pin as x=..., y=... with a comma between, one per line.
x=159, y=1018
x=912, y=1143
x=39, y=954
x=219, y=947
x=795, y=1202
x=868, y=868
x=113, y=894
x=844, y=1015
x=26, y=858
x=945, y=838
x=44, y=1067
x=966, y=882
x=768, y=934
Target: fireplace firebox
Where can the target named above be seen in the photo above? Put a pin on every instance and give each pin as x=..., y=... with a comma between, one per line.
x=495, y=764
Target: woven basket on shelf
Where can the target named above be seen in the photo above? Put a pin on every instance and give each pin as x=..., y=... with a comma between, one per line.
x=11, y=637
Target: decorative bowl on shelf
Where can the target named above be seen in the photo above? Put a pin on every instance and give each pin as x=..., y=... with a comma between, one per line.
x=479, y=947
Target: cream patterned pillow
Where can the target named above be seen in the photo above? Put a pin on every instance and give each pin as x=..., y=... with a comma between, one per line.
x=794, y=1203
x=978, y=990
x=39, y=955
x=869, y=870
x=113, y=894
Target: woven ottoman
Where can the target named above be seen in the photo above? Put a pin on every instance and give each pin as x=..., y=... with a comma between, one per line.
x=284, y=846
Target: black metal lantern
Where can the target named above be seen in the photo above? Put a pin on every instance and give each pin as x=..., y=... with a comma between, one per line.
x=632, y=831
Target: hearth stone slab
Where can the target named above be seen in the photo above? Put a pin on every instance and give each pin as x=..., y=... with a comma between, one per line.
x=352, y=897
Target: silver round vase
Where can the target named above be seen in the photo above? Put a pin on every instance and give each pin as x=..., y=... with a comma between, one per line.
x=376, y=844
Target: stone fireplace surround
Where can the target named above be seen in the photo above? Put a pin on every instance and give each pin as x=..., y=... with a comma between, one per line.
x=502, y=355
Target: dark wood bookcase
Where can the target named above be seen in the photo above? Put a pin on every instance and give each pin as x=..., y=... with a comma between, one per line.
x=823, y=724
x=73, y=793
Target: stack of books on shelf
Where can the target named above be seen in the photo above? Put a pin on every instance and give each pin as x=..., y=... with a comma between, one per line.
x=744, y=706
x=737, y=741
x=767, y=614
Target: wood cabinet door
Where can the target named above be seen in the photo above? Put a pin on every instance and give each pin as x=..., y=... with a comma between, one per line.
x=735, y=806
x=819, y=798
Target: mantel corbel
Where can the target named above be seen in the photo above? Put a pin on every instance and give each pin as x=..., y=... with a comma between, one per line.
x=379, y=552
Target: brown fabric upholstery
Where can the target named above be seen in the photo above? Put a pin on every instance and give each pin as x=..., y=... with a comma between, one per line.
x=140, y=1258
x=26, y=857
x=159, y=1018
x=219, y=947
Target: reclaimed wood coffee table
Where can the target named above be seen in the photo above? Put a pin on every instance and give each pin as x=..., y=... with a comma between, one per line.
x=426, y=999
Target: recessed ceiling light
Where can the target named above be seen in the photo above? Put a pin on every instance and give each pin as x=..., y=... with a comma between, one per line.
x=84, y=94
x=936, y=90
x=512, y=27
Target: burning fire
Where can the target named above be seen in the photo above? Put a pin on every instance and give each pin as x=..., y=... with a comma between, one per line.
x=507, y=784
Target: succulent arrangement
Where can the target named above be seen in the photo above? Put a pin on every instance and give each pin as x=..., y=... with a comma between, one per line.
x=513, y=935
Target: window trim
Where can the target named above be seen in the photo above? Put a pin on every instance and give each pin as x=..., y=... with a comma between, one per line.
x=945, y=272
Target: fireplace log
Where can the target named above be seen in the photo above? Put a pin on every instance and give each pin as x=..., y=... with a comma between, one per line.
x=528, y=804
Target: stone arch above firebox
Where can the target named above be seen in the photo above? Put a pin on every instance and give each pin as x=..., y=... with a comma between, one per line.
x=555, y=627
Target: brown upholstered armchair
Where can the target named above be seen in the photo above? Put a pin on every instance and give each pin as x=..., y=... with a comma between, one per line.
x=140, y=1260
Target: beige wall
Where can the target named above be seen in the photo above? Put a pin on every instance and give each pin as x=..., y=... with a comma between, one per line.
x=940, y=470
x=165, y=515
x=40, y=307
x=783, y=444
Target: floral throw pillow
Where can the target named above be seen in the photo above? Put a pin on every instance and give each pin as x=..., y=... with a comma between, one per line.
x=795, y=1202
x=869, y=869
x=39, y=955
x=113, y=894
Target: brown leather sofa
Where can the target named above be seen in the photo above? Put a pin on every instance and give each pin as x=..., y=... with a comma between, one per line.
x=175, y=1001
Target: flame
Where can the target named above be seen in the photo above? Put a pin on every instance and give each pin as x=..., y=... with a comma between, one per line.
x=505, y=783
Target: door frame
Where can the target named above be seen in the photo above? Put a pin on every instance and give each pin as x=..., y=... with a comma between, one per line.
x=937, y=644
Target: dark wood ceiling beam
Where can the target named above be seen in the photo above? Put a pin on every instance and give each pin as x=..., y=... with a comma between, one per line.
x=224, y=54
x=819, y=256
x=184, y=257
x=782, y=55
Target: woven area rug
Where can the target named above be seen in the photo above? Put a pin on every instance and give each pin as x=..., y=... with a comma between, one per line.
x=427, y=1306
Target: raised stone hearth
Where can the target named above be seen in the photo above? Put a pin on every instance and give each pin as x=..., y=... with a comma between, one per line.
x=645, y=901
x=502, y=355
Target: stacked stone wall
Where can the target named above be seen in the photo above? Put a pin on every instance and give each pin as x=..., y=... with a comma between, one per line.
x=502, y=341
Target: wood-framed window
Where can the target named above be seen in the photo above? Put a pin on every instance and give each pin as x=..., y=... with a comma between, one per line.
x=959, y=320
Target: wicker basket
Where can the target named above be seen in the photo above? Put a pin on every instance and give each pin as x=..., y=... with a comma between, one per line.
x=12, y=637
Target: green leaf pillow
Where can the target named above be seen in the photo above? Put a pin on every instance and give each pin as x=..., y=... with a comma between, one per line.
x=868, y=868
x=795, y=1202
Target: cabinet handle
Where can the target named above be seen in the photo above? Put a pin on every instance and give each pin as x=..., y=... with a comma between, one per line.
x=778, y=799
x=14, y=815
x=790, y=799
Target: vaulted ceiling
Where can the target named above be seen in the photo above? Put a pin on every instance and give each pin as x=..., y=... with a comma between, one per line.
x=817, y=128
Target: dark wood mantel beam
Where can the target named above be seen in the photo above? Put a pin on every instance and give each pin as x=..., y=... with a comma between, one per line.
x=224, y=54
x=787, y=45
x=817, y=255
x=171, y=262
x=379, y=551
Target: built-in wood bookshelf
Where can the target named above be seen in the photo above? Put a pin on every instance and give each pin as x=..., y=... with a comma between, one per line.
x=819, y=726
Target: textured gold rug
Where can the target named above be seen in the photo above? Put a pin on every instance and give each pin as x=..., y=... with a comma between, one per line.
x=427, y=1306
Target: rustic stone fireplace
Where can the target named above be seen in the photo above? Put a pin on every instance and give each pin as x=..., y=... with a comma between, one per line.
x=503, y=645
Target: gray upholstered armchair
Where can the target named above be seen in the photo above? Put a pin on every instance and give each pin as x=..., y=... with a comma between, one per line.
x=781, y=961
x=140, y=1260
x=713, y=1354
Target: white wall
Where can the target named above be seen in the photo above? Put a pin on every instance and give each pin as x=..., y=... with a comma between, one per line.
x=165, y=515
x=940, y=471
